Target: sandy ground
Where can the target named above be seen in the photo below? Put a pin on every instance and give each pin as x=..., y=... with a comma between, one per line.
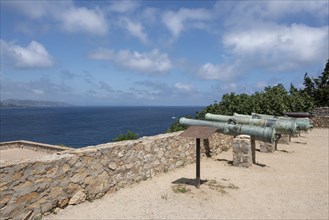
x=291, y=183
x=19, y=153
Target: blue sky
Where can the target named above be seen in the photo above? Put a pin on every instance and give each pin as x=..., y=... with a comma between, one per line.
x=157, y=52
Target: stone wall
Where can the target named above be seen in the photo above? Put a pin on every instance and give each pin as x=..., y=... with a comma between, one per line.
x=322, y=111
x=320, y=121
x=47, y=148
x=34, y=187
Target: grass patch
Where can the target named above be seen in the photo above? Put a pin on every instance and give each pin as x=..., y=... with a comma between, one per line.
x=221, y=186
x=180, y=189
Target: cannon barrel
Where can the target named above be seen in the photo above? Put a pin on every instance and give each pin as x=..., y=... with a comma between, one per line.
x=266, y=134
x=241, y=115
x=283, y=126
x=303, y=124
x=298, y=114
x=257, y=115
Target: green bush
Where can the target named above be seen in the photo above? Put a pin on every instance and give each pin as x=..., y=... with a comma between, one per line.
x=129, y=136
x=175, y=126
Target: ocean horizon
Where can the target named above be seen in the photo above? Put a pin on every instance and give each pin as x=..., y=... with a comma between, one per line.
x=81, y=126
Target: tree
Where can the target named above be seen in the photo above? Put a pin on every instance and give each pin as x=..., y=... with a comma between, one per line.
x=318, y=88
x=299, y=100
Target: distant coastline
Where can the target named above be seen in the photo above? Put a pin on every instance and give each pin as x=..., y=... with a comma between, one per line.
x=17, y=103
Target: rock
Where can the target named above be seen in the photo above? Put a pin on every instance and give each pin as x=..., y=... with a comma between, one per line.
x=23, y=186
x=112, y=166
x=3, y=186
x=79, y=176
x=73, y=187
x=129, y=165
x=179, y=163
x=17, y=175
x=65, y=168
x=79, y=197
x=30, y=197
x=63, y=203
x=147, y=148
x=28, y=215
x=56, y=210
x=4, y=200
x=121, y=153
x=55, y=193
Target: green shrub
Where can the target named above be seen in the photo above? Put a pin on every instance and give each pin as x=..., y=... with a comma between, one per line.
x=129, y=136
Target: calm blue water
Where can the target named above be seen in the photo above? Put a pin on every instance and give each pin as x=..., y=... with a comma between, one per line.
x=84, y=126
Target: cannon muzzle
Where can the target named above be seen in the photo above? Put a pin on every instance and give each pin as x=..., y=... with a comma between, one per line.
x=265, y=134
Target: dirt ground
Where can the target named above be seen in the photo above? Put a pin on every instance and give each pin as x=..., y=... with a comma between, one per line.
x=291, y=183
x=18, y=154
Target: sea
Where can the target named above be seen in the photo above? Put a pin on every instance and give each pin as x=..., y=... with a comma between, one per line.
x=86, y=126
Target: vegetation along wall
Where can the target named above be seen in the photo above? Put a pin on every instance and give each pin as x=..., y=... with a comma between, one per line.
x=32, y=187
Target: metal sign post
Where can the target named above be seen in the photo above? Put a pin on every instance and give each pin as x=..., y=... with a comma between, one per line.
x=197, y=179
x=198, y=132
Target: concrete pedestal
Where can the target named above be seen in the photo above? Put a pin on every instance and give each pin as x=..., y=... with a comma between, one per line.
x=242, y=155
x=266, y=147
x=284, y=139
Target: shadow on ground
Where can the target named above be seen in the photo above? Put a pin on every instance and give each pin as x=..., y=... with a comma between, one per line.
x=187, y=181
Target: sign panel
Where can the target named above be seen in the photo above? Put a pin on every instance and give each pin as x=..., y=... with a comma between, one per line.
x=201, y=132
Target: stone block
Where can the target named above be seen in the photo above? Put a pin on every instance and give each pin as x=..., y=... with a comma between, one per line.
x=242, y=151
x=284, y=139
x=266, y=147
x=79, y=197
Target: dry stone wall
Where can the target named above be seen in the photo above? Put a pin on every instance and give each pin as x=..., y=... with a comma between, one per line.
x=34, y=187
x=320, y=121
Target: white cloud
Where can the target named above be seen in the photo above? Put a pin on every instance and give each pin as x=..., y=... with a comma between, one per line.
x=38, y=91
x=33, y=56
x=282, y=47
x=184, y=87
x=135, y=29
x=278, y=9
x=38, y=9
x=83, y=20
x=244, y=13
x=69, y=17
x=148, y=62
x=179, y=21
x=124, y=6
x=222, y=72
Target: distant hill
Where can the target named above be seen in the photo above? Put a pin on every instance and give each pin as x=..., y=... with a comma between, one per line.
x=16, y=103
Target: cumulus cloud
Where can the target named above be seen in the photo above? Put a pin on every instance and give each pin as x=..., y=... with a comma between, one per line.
x=179, y=21
x=33, y=55
x=81, y=19
x=148, y=62
x=134, y=28
x=277, y=9
x=250, y=12
x=282, y=47
x=223, y=72
x=184, y=87
x=260, y=37
x=69, y=17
